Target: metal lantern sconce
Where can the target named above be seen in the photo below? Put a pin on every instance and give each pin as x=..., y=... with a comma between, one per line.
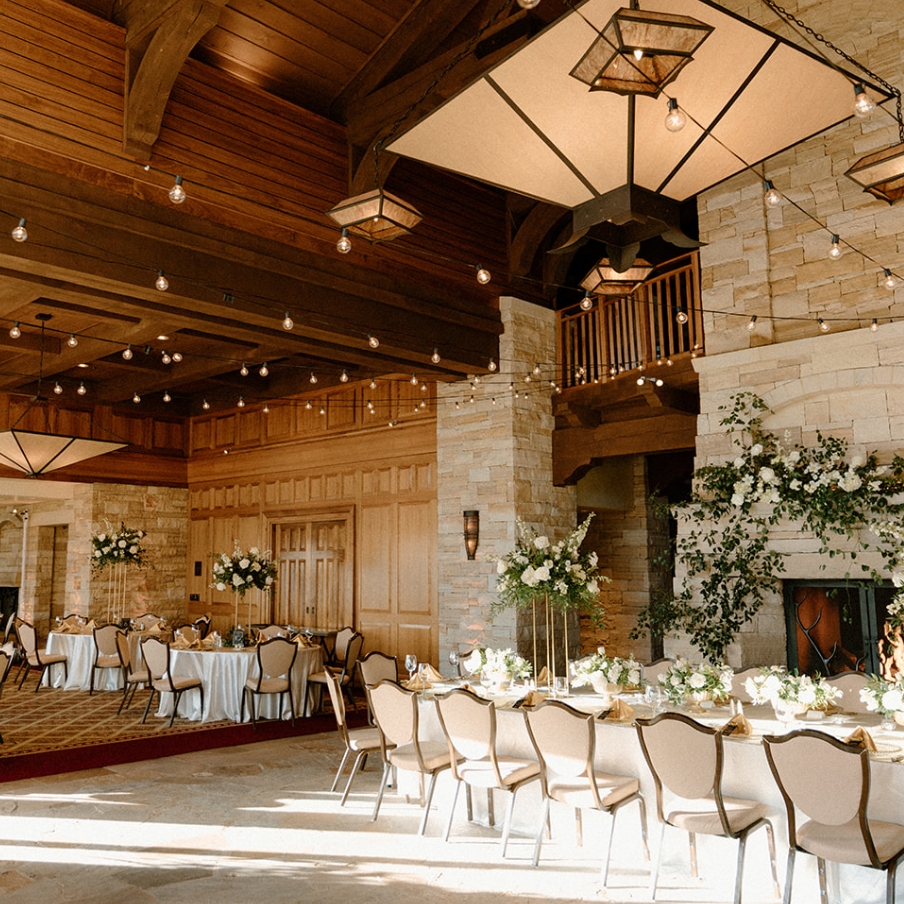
x=472, y=531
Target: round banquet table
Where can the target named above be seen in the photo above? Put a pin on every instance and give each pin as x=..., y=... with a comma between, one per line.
x=223, y=674
x=746, y=774
x=79, y=651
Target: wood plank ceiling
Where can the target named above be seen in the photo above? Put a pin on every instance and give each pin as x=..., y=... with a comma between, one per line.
x=269, y=110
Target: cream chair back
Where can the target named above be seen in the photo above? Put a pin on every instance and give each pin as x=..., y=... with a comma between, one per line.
x=469, y=724
x=156, y=657
x=105, y=639
x=395, y=711
x=564, y=738
x=377, y=666
x=276, y=657
x=683, y=755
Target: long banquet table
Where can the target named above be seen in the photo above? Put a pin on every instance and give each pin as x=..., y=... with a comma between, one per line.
x=223, y=673
x=746, y=774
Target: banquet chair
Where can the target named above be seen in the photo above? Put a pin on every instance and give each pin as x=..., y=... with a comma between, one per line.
x=271, y=631
x=360, y=741
x=275, y=661
x=837, y=826
x=33, y=658
x=738, y=691
x=686, y=762
x=851, y=683
x=469, y=724
x=565, y=742
x=653, y=670
x=395, y=710
x=345, y=673
x=130, y=679
x=148, y=620
x=106, y=653
x=6, y=661
x=189, y=634
x=376, y=667
x=202, y=624
x=157, y=658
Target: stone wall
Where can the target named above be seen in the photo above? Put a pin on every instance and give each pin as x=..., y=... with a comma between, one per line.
x=496, y=457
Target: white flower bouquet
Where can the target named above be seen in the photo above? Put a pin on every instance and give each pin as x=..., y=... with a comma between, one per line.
x=778, y=686
x=241, y=571
x=684, y=679
x=114, y=547
x=883, y=697
x=601, y=668
x=486, y=661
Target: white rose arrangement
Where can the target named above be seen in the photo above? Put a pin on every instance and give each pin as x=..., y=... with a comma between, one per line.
x=242, y=571
x=115, y=547
x=777, y=685
x=883, y=697
x=683, y=678
x=613, y=669
x=488, y=661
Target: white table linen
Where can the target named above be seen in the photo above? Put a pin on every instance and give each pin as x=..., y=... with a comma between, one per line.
x=223, y=674
x=79, y=650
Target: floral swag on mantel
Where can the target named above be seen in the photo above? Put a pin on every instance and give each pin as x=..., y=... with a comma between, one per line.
x=242, y=571
x=728, y=561
x=557, y=574
x=117, y=550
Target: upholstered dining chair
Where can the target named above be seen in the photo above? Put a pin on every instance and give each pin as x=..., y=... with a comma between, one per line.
x=157, y=658
x=203, y=625
x=145, y=621
x=851, y=683
x=345, y=672
x=106, y=654
x=270, y=631
x=835, y=826
x=340, y=644
x=6, y=661
x=395, y=710
x=35, y=658
x=469, y=724
x=565, y=741
x=652, y=670
x=131, y=678
x=275, y=660
x=686, y=760
x=375, y=667
x=360, y=741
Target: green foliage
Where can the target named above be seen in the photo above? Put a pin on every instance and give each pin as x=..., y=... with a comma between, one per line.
x=729, y=564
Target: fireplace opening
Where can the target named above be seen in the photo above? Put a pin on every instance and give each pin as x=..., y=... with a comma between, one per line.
x=840, y=626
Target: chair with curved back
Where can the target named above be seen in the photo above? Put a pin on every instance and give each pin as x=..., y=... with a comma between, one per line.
x=686, y=760
x=395, y=710
x=148, y=620
x=33, y=658
x=130, y=679
x=376, y=667
x=106, y=653
x=837, y=826
x=340, y=644
x=270, y=631
x=202, y=623
x=653, y=670
x=275, y=661
x=6, y=661
x=565, y=742
x=469, y=724
x=739, y=679
x=345, y=673
x=157, y=658
x=851, y=683
x=360, y=741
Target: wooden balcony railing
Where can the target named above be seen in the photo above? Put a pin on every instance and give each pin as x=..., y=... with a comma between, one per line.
x=623, y=333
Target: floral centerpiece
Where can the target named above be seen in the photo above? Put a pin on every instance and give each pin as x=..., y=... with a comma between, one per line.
x=117, y=547
x=241, y=571
x=884, y=697
x=599, y=669
x=788, y=690
x=498, y=665
x=685, y=680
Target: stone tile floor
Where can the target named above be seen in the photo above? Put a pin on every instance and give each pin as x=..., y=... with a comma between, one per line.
x=256, y=823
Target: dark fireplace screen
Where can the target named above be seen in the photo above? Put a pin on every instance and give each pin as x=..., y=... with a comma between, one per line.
x=839, y=626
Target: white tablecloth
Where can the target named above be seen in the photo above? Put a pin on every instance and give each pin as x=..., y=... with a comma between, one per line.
x=224, y=673
x=746, y=774
x=79, y=650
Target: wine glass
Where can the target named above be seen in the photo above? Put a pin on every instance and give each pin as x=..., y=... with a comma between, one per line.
x=454, y=660
x=411, y=665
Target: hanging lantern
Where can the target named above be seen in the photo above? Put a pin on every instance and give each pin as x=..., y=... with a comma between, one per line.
x=604, y=279
x=882, y=173
x=376, y=215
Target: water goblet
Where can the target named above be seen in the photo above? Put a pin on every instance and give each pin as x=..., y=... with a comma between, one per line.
x=411, y=665
x=454, y=660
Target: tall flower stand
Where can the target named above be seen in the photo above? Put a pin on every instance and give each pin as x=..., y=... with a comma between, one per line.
x=116, y=590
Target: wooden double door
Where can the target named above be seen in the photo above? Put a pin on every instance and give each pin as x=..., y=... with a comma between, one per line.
x=316, y=581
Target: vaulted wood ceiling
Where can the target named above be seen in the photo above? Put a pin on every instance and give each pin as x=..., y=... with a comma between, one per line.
x=270, y=111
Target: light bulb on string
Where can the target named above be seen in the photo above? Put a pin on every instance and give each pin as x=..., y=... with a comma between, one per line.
x=162, y=283
x=373, y=384
x=322, y=411
x=492, y=366
x=166, y=396
x=824, y=326
x=587, y=301
x=372, y=341
x=266, y=408
x=15, y=332
x=343, y=377
x=243, y=370
x=483, y=275
x=241, y=402
x=770, y=195
x=205, y=405
x=344, y=245
x=681, y=316
x=313, y=378
x=835, y=249
x=863, y=103
x=423, y=387
x=874, y=326
x=58, y=390
x=136, y=398
x=20, y=233
x=264, y=370
x=177, y=357
x=177, y=192
x=288, y=323
x=308, y=405
x=528, y=4
x=751, y=324
x=675, y=120
x=127, y=353
x=72, y=342
x=414, y=380
x=165, y=358
x=435, y=358
x=81, y=389
x=889, y=280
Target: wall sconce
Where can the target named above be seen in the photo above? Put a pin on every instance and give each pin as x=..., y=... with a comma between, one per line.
x=472, y=531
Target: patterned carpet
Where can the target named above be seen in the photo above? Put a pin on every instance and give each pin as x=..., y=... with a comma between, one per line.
x=55, y=731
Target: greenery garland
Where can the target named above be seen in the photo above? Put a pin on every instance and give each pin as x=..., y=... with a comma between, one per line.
x=729, y=565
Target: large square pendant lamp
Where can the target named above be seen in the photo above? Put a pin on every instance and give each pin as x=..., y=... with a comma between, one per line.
x=37, y=453
x=376, y=215
x=640, y=51
x=882, y=173
x=604, y=279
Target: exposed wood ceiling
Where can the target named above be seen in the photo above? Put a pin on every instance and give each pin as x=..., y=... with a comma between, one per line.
x=366, y=68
